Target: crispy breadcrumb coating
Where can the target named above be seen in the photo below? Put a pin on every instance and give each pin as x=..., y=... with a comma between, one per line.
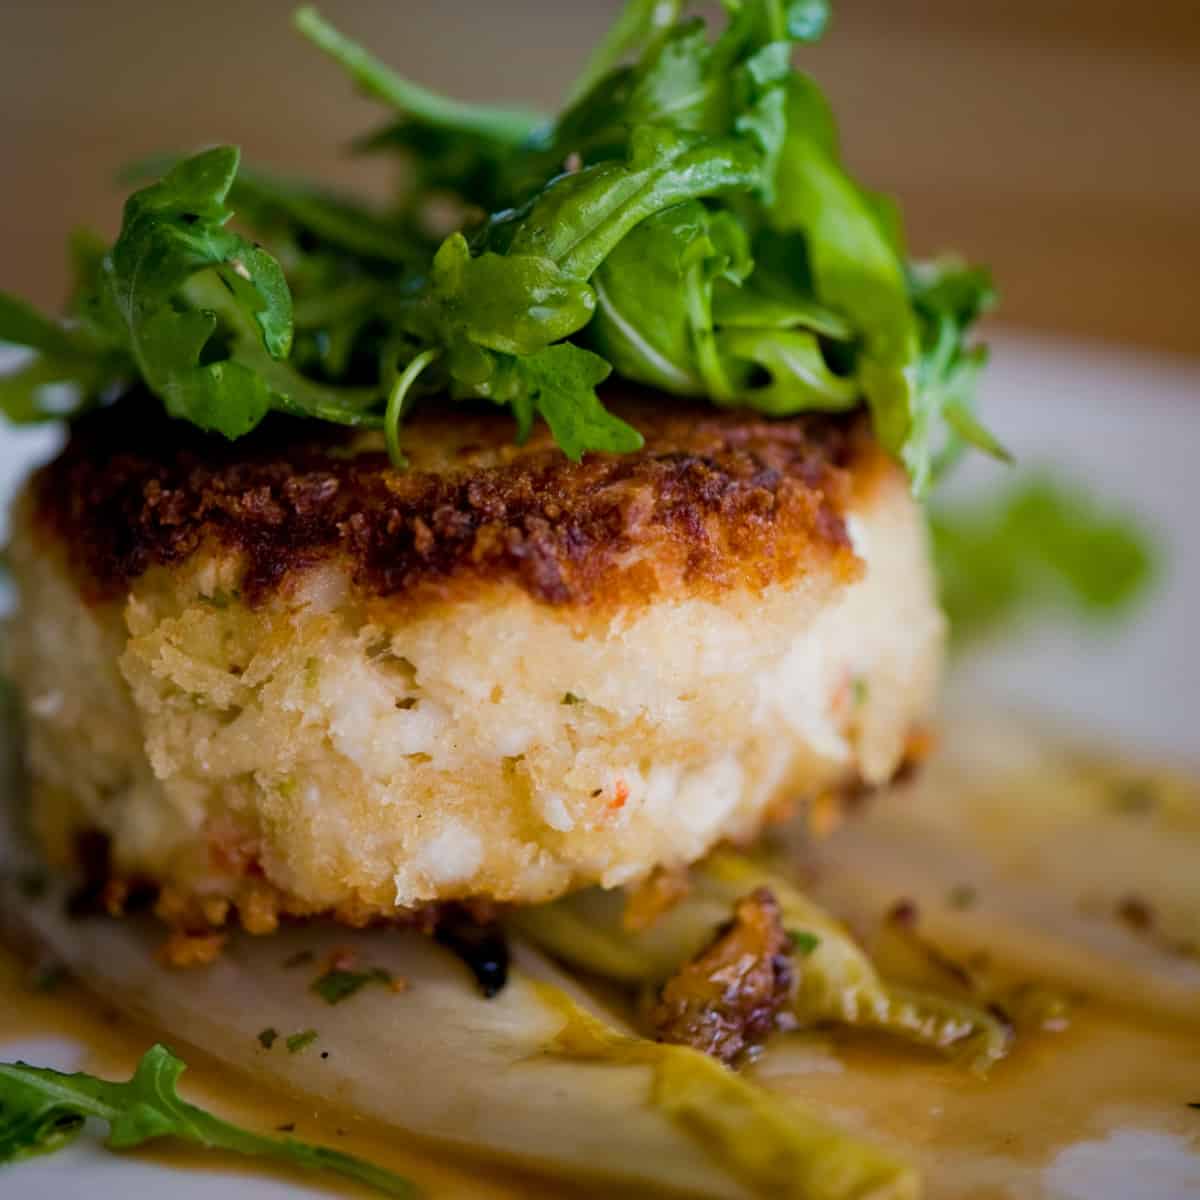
x=282, y=678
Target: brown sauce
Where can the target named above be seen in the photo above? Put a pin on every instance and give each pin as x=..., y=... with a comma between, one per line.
x=108, y=1045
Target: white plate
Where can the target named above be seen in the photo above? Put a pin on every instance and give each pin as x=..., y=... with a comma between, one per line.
x=1129, y=425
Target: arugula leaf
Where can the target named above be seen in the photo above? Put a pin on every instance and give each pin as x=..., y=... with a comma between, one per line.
x=654, y=298
x=560, y=383
x=173, y=230
x=271, y=202
x=517, y=303
x=1039, y=543
x=42, y=1111
x=948, y=297
x=855, y=270
x=579, y=218
x=70, y=368
x=22, y=325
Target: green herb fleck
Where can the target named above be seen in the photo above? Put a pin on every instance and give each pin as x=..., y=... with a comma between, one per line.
x=337, y=985
x=962, y=895
x=47, y=977
x=407, y=703
x=219, y=599
x=1135, y=796
x=33, y=885
x=42, y=1111
x=300, y=1041
x=571, y=698
x=267, y=1037
x=861, y=691
x=803, y=941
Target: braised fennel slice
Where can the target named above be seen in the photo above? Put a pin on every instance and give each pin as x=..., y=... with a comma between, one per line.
x=686, y=221
x=836, y=981
x=535, y=1074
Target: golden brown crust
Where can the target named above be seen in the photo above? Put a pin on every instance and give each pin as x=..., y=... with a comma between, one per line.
x=714, y=500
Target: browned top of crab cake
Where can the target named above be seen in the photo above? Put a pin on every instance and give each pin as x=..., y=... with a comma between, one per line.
x=714, y=500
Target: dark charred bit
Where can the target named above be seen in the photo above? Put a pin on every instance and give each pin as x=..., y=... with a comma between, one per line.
x=93, y=858
x=1136, y=913
x=480, y=944
x=903, y=914
x=920, y=744
x=732, y=994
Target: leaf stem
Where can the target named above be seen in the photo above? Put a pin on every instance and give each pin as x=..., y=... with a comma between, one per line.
x=396, y=405
x=512, y=126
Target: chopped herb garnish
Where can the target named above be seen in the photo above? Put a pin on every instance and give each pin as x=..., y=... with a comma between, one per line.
x=1135, y=796
x=337, y=984
x=41, y=1111
x=571, y=698
x=48, y=976
x=33, y=885
x=300, y=1041
x=861, y=691
x=803, y=941
x=962, y=895
x=687, y=222
x=219, y=599
x=267, y=1037
x=408, y=702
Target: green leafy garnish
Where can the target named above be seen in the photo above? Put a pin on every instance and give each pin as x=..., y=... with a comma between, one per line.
x=268, y=1037
x=337, y=984
x=42, y=1111
x=1040, y=542
x=686, y=222
x=300, y=1041
x=804, y=942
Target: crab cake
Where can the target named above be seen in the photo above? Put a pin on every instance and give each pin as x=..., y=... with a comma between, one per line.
x=279, y=676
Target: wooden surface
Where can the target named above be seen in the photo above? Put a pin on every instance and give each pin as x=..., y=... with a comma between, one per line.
x=1055, y=139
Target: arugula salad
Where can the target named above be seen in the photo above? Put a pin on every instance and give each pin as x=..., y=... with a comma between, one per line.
x=685, y=222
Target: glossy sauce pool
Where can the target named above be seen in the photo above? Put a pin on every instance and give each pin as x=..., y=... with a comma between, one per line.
x=85, y=1034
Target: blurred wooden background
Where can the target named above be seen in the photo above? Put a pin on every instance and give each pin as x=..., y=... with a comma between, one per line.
x=1058, y=140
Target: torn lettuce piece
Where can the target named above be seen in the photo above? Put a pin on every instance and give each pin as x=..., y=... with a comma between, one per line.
x=836, y=980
